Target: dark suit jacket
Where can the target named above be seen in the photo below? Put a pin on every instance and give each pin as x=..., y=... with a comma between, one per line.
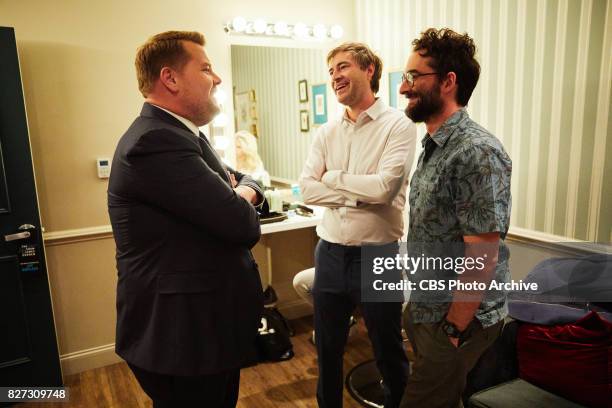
x=189, y=297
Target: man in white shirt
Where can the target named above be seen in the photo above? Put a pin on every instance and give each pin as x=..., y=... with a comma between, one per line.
x=358, y=168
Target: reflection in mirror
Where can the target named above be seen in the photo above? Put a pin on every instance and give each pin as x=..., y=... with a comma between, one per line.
x=247, y=158
x=267, y=102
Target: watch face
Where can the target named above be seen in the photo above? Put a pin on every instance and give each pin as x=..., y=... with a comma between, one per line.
x=450, y=329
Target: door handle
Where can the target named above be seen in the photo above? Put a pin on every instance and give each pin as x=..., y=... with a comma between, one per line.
x=18, y=236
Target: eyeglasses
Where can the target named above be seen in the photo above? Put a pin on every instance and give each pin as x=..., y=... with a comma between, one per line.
x=410, y=77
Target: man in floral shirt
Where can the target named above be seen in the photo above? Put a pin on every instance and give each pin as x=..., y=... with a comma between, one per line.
x=459, y=197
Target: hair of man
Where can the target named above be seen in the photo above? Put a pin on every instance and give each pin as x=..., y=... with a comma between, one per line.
x=450, y=51
x=364, y=57
x=163, y=50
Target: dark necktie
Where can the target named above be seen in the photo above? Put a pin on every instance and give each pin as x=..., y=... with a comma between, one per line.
x=211, y=157
x=204, y=143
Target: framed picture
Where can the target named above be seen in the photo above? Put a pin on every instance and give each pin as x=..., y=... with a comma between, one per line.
x=395, y=82
x=319, y=104
x=304, y=121
x=252, y=96
x=245, y=112
x=303, y=90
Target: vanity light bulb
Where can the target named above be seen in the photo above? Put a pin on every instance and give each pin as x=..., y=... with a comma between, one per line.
x=260, y=26
x=300, y=30
x=319, y=31
x=239, y=24
x=336, y=31
x=281, y=28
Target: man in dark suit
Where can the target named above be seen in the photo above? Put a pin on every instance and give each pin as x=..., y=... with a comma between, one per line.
x=189, y=296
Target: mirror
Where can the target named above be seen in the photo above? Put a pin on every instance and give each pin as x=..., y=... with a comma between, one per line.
x=272, y=101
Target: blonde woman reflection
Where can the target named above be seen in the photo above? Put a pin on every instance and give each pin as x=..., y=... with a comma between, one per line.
x=247, y=158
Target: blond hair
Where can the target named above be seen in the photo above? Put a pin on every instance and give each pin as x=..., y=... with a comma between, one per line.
x=162, y=50
x=248, y=142
x=363, y=56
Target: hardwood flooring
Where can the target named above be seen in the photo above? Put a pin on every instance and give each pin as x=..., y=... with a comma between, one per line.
x=285, y=384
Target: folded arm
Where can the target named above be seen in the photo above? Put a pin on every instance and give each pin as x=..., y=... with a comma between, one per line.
x=393, y=168
x=314, y=191
x=246, y=187
x=188, y=188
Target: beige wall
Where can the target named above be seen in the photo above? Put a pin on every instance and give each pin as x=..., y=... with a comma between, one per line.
x=80, y=87
x=81, y=94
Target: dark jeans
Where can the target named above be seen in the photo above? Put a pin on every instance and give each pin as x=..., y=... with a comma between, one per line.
x=439, y=372
x=206, y=391
x=336, y=293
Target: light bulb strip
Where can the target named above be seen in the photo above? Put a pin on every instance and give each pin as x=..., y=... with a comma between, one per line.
x=299, y=31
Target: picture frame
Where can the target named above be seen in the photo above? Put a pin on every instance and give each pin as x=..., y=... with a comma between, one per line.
x=304, y=121
x=303, y=90
x=395, y=82
x=245, y=112
x=252, y=96
x=319, y=104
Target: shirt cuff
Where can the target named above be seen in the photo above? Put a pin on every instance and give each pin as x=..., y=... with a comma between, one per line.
x=255, y=187
x=260, y=197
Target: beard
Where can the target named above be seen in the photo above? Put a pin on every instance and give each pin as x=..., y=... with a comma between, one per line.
x=428, y=104
x=213, y=108
x=206, y=113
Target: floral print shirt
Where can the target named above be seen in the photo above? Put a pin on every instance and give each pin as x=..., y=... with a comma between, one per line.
x=461, y=186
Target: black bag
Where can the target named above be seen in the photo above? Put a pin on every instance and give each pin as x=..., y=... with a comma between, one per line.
x=273, y=343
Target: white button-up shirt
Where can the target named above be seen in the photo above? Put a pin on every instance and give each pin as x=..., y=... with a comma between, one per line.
x=359, y=171
x=190, y=125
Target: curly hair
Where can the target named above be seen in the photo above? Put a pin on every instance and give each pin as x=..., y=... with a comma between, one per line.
x=162, y=50
x=451, y=52
x=364, y=56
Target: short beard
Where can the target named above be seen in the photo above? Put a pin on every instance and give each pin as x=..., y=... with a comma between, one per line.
x=206, y=116
x=428, y=105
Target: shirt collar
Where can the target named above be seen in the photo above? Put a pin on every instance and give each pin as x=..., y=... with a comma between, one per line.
x=190, y=125
x=444, y=132
x=374, y=111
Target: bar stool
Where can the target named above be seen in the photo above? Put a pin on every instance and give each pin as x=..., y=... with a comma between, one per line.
x=364, y=382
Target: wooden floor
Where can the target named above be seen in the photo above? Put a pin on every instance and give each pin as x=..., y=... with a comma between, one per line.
x=286, y=384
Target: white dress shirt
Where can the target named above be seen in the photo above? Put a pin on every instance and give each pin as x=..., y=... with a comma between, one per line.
x=190, y=125
x=359, y=171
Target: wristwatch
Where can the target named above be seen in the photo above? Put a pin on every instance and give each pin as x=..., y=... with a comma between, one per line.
x=450, y=329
